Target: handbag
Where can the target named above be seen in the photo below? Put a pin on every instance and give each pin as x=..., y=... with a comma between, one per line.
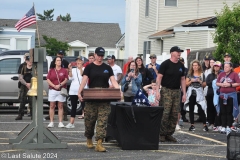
x=63, y=91
x=126, y=86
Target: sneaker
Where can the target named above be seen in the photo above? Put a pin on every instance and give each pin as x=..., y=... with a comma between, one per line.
x=234, y=128
x=70, y=125
x=184, y=119
x=215, y=129
x=211, y=127
x=219, y=128
x=205, y=128
x=228, y=130
x=50, y=125
x=192, y=128
x=178, y=128
x=171, y=138
x=223, y=130
x=19, y=117
x=60, y=125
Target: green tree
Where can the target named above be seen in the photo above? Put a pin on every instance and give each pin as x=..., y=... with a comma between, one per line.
x=47, y=15
x=65, y=18
x=53, y=46
x=227, y=34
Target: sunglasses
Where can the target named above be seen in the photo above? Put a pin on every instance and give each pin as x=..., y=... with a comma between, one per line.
x=152, y=57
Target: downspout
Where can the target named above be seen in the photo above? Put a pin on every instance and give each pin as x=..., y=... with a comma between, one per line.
x=197, y=56
x=161, y=46
x=157, y=16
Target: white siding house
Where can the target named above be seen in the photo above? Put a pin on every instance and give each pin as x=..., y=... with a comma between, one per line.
x=11, y=39
x=154, y=16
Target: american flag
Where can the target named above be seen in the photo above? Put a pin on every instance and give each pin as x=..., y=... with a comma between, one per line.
x=27, y=20
x=140, y=99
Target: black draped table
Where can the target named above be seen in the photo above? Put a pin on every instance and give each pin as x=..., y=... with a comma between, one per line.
x=134, y=127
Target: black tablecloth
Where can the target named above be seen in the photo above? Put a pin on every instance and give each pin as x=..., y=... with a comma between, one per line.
x=135, y=128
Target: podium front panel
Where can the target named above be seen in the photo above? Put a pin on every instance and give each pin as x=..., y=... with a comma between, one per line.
x=136, y=128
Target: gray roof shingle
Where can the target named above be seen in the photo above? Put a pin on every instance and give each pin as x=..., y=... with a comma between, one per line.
x=94, y=34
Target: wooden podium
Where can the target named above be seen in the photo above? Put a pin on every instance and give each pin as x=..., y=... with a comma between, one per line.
x=101, y=94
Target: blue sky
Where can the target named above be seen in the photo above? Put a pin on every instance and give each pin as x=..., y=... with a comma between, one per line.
x=104, y=11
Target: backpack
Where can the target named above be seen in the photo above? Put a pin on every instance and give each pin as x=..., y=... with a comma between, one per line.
x=23, y=72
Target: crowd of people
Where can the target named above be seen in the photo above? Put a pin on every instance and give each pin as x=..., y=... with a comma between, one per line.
x=212, y=86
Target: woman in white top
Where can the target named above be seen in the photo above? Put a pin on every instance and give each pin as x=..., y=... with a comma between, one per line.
x=75, y=74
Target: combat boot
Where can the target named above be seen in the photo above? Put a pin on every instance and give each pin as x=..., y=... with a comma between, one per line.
x=19, y=117
x=99, y=147
x=89, y=143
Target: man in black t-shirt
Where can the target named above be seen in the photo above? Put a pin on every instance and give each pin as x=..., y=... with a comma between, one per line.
x=97, y=111
x=65, y=64
x=171, y=77
x=25, y=79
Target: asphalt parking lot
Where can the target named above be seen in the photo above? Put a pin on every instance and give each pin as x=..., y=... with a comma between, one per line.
x=197, y=145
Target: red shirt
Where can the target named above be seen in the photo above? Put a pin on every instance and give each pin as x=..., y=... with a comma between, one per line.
x=232, y=78
x=52, y=76
x=85, y=64
x=125, y=68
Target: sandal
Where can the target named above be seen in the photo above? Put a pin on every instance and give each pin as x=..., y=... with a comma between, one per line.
x=81, y=117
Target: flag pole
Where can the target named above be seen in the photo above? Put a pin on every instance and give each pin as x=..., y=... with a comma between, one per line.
x=37, y=27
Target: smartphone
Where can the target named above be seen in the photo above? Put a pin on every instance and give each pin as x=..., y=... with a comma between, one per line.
x=73, y=64
x=132, y=70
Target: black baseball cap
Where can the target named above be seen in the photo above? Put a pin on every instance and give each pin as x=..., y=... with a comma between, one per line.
x=111, y=57
x=207, y=57
x=227, y=54
x=152, y=56
x=175, y=49
x=100, y=51
x=61, y=52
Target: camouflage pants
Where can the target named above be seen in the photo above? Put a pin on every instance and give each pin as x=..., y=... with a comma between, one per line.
x=170, y=100
x=96, y=112
x=24, y=99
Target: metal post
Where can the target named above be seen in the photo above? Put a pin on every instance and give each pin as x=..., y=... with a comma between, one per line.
x=35, y=135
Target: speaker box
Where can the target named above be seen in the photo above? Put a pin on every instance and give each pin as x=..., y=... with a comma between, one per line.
x=233, y=146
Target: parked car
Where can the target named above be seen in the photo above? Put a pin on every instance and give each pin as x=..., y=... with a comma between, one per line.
x=9, y=80
x=3, y=50
x=14, y=52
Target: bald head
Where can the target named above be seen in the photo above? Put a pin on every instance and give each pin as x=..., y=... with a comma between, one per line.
x=130, y=59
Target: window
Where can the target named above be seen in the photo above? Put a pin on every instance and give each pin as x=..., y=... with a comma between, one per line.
x=5, y=41
x=76, y=53
x=147, y=47
x=21, y=44
x=147, y=8
x=45, y=67
x=171, y=3
x=9, y=66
